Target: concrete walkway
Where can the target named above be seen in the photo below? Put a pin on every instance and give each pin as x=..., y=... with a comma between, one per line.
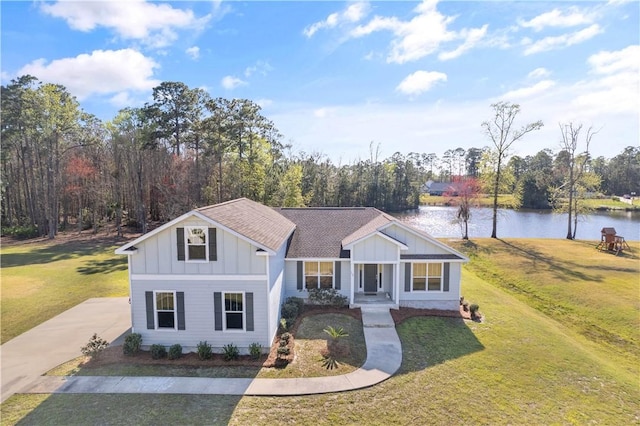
x=26, y=357
x=384, y=356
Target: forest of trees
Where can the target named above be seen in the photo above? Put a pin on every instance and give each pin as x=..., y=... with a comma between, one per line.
x=62, y=168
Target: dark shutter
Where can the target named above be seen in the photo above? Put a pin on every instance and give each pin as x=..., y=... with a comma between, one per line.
x=151, y=324
x=407, y=277
x=180, y=239
x=213, y=248
x=445, y=278
x=300, y=266
x=180, y=300
x=217, y=310
x=249, y=301
x=337, y=273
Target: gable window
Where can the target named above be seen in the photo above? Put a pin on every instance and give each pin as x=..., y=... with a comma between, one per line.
x=234, y=311
x=165, y=305
x=196, y=243
x=318, y=275
x=427, y=277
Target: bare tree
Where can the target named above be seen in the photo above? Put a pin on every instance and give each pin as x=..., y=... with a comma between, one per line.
x=499, y=130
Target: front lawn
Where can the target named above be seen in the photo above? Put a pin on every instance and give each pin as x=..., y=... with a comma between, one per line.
x=41, y=280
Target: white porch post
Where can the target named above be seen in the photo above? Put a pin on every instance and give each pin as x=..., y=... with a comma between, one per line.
x=396, y=282
x=352, y=283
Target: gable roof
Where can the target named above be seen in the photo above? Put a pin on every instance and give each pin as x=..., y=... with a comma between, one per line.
x=320, y=230
x=252, y=220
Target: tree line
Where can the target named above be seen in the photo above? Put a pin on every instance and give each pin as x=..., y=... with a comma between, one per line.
x=63, y=168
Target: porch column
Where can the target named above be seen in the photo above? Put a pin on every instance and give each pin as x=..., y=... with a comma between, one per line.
x=352, y=290
x=396, y=282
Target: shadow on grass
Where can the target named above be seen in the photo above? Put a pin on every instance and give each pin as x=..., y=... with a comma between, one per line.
x=138, y=409
x=429, y=341
x=104, y=266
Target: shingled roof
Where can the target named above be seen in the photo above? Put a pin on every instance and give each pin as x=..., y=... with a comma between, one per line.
x=252, y=220
x=321, y=230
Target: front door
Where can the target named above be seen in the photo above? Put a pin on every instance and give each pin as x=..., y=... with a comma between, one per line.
x=370, y=278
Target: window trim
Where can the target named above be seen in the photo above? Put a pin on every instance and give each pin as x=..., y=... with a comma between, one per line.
x=318, y=275
x=205, y=231
x=427, y=276
x=224, y=313
x=156, y=310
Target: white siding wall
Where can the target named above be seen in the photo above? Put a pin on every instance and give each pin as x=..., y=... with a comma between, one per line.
x=374, y=249
x=291, y=279
x=159, y=255
x=276, y=289
x=431, y=299
x=415, y=243
x=199, y=314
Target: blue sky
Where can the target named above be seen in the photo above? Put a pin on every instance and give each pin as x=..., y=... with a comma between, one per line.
x=336, y=76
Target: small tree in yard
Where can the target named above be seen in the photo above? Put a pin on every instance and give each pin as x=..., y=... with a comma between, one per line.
x=464, y=193
x=95, y=346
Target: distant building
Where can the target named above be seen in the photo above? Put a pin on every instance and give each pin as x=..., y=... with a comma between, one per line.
x=440, y=188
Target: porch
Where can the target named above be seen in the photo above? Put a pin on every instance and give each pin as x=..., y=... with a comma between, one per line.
x=381, y=299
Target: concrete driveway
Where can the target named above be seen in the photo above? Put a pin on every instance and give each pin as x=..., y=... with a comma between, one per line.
x=26, y=357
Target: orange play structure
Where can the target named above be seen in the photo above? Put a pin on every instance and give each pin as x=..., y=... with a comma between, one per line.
x=609, y=241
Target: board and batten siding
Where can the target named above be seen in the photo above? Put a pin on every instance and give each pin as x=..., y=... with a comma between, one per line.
x=415, y=243
x=159, y=255
x=448, y=300
x=374, y=249
x=276, y=289
x=199, y=314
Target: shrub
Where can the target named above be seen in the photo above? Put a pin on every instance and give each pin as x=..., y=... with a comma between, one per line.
x=283, y=351
x=283, y=325
x=285, y=337
x=475, y=314
x=175, y=351
x=204, y=350
x=255, y=350
x=132, y=344
x=20, y=232
x=461, y=300
x=230, y=352
x=289, y=311
x=327, y=297
x=158, y=351
x=94, y=346
x=465, y=306
x=298, y=301
x=283, y=342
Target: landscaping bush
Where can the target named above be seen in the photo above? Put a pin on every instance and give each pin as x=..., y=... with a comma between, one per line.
x=465, y=306
x=255, y=350
x=175, y=351
x=283, y=325
x=204, y=350
x=327, y=297
x=289, y=311
x=283, y=351
x=230, y=352
x=285, y=337
x=132, y=344
x=20, y=232
x=298, y=301
x=95, y=346
x=158, y=351
x=474, y=311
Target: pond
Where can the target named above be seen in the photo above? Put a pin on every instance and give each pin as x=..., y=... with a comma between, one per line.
x=440, y=221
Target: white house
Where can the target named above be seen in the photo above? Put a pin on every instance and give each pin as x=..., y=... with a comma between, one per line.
x=220, y=273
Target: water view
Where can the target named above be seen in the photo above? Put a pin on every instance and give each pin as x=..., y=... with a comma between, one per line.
x=441, y=221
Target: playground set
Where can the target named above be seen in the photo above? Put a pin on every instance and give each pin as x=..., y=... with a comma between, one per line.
x=611, y=242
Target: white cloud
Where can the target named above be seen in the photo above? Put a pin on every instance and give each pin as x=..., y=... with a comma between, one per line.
x=101, y=72
x=565, y=40
x=539, y=73
x=352, y=14
x=422, y=35
x=121, y=100
x=260, y=67
x=193, y=52
x=622, y=60
x=526, y=92
x=471, y=38
x=264, y=103
x=420, y=81
x=152, y=23
x=230, y=82
x=557, y=18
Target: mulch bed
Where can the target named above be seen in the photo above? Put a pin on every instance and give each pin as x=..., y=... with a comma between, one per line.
x=114, y=355
x=402, y=314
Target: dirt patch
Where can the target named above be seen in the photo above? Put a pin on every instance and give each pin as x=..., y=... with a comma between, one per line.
x=114, y=355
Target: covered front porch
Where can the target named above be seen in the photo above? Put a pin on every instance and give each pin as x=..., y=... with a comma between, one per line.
x=375, y=284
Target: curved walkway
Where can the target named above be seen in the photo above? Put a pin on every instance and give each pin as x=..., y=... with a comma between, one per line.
x=384, y=356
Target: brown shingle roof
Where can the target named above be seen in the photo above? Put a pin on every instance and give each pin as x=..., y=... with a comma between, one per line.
x=252, y=220
x=320, y=231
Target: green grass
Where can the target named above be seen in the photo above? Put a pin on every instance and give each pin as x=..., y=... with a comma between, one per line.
x=519, y=366
x=609, y=204
x=505, y=201
x=41, y=280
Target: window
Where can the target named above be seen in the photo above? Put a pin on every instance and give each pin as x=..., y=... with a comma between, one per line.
x=165, y=310
x=427, y=277
x=318, y=275
x=196, y=243
x=234, y=311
